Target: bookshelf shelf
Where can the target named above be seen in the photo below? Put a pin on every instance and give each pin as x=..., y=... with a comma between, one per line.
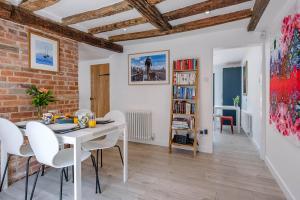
x=184, y=100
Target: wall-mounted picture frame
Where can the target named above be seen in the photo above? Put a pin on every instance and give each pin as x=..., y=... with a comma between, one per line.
x=43, y=52
x=149, y=68
x=245, y=79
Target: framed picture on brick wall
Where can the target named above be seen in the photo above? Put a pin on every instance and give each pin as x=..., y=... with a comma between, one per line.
x=43, y=52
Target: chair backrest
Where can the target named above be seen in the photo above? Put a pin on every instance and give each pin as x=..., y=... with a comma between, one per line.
x=83, y=112
x=119, y=118
x=11, y=137
x=43, y=142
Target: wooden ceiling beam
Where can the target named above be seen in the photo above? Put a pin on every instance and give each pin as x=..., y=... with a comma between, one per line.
x=172, y=15
x=151, y=13
x=258, y=11
x=194, y=25
x=34, y=5
x=116, y=8
x=25, y=17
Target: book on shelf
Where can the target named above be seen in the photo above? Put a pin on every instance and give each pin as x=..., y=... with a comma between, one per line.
x=183, y=123
x=186, y=64
x=183, y=107
x=187, y=78
x=184, y=92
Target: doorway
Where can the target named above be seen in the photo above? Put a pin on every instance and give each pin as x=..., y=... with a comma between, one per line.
x=100, y=95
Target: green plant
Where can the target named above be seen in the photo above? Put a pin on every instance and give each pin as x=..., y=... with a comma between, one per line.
x=236, y=101
x=40, y=97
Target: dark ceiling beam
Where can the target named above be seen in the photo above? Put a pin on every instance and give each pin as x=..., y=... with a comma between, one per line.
x=194, y=25
x=195, y=9
x=258, y=11
x=151, y=13
x=25, y=17
x=114, y=9
x=34, y=5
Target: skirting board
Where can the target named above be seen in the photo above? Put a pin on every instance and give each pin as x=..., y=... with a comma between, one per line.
x=287, y=193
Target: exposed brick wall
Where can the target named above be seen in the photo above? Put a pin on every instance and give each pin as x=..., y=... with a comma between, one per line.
x=15, y=76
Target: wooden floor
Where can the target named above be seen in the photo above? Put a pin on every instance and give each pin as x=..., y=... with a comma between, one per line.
x=233, y=172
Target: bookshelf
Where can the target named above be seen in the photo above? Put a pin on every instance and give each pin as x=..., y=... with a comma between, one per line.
x=184, y=105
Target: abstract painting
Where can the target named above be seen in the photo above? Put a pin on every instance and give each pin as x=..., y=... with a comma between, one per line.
x=149, y=68
x=43, y=52
x=285, y=79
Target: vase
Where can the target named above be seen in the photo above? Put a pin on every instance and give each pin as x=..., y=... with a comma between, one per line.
x=40, y=112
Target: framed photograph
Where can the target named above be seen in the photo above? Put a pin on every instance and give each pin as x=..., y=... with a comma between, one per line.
x=245, y=79
x=43, y=52
x=149, y=68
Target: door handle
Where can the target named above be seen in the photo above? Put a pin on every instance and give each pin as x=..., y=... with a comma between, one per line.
x=92, y=99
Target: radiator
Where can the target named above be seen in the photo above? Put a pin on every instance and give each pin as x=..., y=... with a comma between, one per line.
x=139, y=124
x=247, y=122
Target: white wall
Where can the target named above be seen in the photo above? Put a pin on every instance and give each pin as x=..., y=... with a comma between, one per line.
x=251, y=102
x=157, y=97
x=218, y=71
x=282, y=157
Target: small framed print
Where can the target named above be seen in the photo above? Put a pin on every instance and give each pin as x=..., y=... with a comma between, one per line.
x=43, y=52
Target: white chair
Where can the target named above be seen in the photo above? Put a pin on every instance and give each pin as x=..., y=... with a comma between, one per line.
x=12, y=140
x=45, y=145
x=109, y=141
x=83, y=111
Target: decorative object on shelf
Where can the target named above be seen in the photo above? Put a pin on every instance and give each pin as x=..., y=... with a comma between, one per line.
x=149, y=68
x=284, y=79
x=184, y=102
x=43, y=52
x=236, y=101
x=245, y=79
x=41, y=97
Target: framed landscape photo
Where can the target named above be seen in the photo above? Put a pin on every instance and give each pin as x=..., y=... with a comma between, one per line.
x=43, y=52
x=149, y=68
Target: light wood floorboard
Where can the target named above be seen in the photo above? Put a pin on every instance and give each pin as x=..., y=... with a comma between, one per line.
x=233, y=172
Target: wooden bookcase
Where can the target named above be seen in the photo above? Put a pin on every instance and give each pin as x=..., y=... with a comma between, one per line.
x=182, y=100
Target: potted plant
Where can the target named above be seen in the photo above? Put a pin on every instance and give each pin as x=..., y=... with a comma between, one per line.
x=41, y=97
x=236, y=101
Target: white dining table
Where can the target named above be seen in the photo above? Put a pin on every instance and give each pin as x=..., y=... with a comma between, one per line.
x=234, y=108
x=76, y=138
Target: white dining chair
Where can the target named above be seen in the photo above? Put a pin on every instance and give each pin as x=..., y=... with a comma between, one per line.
x=83, y=112
x=45, y=145
x=109, y=141
x=12, y=140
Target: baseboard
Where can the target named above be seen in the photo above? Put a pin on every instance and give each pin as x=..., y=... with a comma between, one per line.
x=287, y=193
x=256, y=144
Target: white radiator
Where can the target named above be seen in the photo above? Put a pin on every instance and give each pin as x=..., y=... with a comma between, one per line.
x=139, y=124
x=247, y=122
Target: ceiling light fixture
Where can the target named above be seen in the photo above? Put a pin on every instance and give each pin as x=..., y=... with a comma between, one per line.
x=124, y=29
x=207, y=12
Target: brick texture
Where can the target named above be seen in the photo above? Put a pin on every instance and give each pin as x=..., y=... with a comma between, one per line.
x=16, y=76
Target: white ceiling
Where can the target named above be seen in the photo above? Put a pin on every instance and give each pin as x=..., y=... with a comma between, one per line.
x=229, y=57
x=66, y=8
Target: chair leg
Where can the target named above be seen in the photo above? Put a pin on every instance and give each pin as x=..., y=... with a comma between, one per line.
x=97, y=159
x=232, y=127
x=43, y=170
x=97, y=175
x=5, y=171
x=73, y=174
x=120, y=153
x=27, y=174
x=221, y=125
x=62, y=173
x=66, y=174
x=35, y=181
x=101, y=159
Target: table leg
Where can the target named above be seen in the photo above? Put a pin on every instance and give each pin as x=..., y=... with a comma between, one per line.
x=125, y=150
x=77, y=170
x=3, y=163
x=238, y=120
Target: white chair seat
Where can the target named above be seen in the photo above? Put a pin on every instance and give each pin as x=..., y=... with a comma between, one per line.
x=26, y=150
x=65, y=158
x=97, y=144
